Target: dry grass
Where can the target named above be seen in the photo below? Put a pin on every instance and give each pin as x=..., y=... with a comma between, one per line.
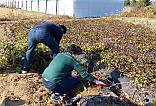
x=8, y=14
x=12, y=15
x=148, y=22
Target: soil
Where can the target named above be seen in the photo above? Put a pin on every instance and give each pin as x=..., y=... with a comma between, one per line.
x=27, y=90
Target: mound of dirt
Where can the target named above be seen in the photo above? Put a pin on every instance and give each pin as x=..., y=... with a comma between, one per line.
x=18, y=87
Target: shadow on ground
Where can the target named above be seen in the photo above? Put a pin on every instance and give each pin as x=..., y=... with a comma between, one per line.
x=10, y=102
x=96, y=100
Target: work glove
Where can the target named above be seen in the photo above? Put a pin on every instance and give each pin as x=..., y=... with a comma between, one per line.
x=100, y=83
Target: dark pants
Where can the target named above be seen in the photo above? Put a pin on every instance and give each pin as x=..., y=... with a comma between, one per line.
x=63, y=87
x=35, y=36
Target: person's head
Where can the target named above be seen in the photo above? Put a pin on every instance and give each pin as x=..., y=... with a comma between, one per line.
x=74, y=49
x=63, y=28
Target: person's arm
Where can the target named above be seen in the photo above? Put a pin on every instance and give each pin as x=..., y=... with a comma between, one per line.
x=84, y=74
x=58, y=39
x=56, y=33
x=58, y=36
x=99, y=83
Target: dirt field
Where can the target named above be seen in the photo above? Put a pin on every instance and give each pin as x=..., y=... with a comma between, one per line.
x=28, y=90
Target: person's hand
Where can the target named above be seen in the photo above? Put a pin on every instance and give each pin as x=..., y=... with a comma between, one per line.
x=76, y=75
x=100, y=83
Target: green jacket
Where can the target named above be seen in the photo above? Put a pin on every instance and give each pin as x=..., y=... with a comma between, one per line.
x=62, y=66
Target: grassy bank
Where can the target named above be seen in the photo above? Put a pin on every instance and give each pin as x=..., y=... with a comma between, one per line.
x=148, y=22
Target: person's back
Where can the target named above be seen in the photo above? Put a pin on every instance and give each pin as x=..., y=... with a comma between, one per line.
x=54, y=30
x=46, y=33
x=59, y=68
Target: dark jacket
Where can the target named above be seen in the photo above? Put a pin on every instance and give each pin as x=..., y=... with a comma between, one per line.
x=54, y=30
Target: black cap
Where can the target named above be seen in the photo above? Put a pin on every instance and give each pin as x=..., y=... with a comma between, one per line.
x=64, y=28
x=74, y=49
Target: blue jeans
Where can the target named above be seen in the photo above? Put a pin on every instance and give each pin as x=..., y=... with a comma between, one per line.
x=35, y=36
x=63, y=87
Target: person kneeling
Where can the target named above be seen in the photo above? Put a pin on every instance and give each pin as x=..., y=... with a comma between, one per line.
x=57, y=77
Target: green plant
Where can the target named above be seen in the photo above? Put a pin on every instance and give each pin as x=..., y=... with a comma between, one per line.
x=146, y=2
x=140, y=4
x=127, y=3
x=153, y=103
x=110, y=42
x=133, y=2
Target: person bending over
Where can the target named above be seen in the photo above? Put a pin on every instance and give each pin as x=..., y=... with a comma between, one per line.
x=46, y=33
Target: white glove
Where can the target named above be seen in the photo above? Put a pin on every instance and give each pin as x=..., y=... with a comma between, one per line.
x=100, y=83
